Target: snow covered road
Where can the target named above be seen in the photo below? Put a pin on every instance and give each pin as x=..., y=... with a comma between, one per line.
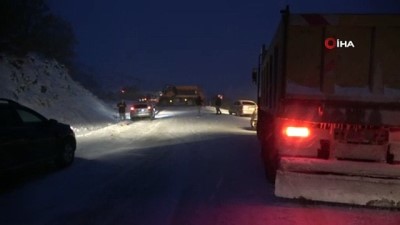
x=177, y=169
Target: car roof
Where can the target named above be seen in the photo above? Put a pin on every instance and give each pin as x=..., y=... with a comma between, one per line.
x=7, y=101
x=9, y=104
x=243, y=100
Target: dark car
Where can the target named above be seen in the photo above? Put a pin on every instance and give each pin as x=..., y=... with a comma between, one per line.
x=142, y=110
x=28, y=138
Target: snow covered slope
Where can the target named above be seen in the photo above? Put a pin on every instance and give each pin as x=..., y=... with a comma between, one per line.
x=45, y=86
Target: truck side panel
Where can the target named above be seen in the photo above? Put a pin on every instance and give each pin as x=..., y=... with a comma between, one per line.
x=271, y=74
x=363, y=72
x=387, y=55
x=348, y=67
x=303, y=61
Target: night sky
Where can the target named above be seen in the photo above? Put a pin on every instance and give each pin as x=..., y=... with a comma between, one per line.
x=211, y=43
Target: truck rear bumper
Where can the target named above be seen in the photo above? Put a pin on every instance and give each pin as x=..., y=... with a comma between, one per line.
x=360, y=183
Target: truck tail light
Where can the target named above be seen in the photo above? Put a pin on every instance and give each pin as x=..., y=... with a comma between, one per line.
x=132, y=108
x=302, y=132
x=149, y=107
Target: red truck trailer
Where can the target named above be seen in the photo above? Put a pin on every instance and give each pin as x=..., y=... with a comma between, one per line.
x=329, y=108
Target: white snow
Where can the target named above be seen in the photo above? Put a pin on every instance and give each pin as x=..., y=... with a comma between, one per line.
x=45, y=86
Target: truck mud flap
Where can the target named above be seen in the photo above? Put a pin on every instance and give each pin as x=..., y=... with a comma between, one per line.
x=356, y=190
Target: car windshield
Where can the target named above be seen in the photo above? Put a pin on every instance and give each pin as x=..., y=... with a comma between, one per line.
x=249, y=103
x=140, y=106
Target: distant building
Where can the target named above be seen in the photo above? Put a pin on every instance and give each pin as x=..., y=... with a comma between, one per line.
x=180, y=95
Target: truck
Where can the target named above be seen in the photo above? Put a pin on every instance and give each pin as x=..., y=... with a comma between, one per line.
x=180, y=95
x=328, y=88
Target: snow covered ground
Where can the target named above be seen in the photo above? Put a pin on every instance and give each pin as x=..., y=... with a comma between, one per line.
x=178, y=169
x=46, y=86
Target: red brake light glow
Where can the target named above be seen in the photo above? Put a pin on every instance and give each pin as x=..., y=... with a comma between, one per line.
x=148, y=107
x=297, y=132
x=132, y=108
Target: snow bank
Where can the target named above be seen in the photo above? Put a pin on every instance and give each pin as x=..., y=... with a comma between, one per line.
x=45, y=86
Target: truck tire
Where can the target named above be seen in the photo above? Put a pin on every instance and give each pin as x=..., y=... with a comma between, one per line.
x=270, y=155
x=270, y=164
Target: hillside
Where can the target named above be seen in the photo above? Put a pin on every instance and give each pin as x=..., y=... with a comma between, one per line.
x=45, y=86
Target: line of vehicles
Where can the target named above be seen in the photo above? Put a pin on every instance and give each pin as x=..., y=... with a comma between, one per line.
x=240, y=107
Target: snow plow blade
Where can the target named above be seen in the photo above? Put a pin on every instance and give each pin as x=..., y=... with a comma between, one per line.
x=358, y=190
